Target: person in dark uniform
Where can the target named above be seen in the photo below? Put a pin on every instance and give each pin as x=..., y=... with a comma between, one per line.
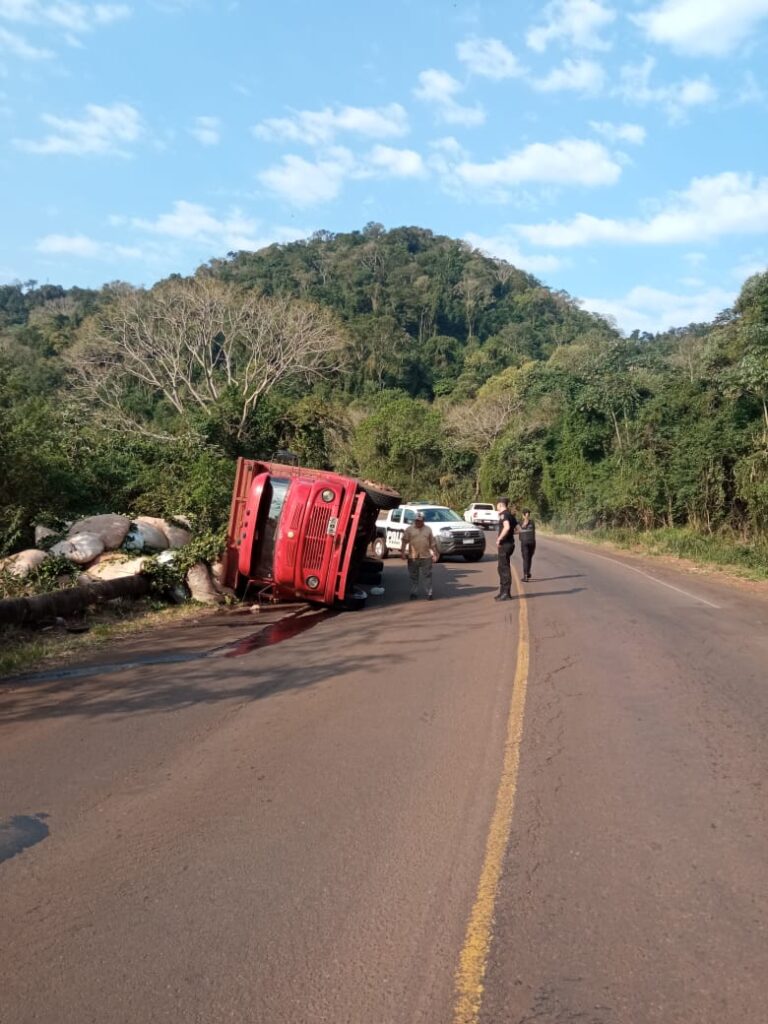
x=526, y=531
x=505, y=544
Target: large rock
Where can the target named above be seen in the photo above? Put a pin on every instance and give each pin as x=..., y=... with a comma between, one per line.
x=143, y=536
x=201, y=586
x=23, y=562
x=42, y=533
x=80, y=548
x=113, y=566
x=176, y=536
x=111, y=529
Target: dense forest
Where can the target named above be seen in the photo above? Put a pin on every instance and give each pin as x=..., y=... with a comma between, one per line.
x=397, y=355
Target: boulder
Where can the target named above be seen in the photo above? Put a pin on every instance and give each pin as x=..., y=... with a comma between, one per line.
x=143, y=536
x=176, y=536
x=110, y=528
x=201, y=586
x=23, y=562
x=42, y=533
x=80, y=548
x=114, y=566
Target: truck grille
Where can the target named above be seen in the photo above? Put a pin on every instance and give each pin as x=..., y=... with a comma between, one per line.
x=317, y=532
x=290, y=545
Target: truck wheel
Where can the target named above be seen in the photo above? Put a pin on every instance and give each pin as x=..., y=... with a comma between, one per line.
x=355, y=600
x=380, y=548
x=370, y=579
x=383, y=497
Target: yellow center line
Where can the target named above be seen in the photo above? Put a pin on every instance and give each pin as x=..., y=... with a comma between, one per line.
x=470, y=973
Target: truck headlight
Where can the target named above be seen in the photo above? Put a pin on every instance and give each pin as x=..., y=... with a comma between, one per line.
x=328, y=495
x=446, y=531
x=312, y=582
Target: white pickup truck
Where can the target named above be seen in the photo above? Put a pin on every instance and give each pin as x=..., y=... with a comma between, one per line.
x=452, y=534
x=482, y=514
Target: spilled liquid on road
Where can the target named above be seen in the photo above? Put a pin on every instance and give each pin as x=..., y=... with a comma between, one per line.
x=279, y=631
x=20, y=832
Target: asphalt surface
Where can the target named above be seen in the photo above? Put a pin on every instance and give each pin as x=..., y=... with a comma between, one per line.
x=208, y=830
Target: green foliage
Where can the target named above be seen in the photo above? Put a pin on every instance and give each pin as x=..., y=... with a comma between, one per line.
x=459, y=377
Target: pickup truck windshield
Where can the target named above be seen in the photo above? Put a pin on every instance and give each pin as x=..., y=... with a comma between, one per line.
x=441, y=515
x=268, y=532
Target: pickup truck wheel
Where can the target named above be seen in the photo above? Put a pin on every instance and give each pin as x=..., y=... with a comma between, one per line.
x=380, y=548
x=383, y=497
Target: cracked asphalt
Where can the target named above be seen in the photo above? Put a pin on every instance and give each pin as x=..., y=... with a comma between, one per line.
x=294, y=834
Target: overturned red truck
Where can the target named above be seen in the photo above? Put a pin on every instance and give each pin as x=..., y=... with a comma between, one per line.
x=303, y=533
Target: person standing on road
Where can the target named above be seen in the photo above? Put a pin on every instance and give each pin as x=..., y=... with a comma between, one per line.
x=420, y=548
x=527, y=533
x=505, y=545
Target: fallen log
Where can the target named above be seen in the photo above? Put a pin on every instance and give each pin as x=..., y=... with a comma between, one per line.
x=61, y=603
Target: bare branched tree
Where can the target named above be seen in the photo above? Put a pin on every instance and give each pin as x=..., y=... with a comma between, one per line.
x=480, y=422
x=192, y=341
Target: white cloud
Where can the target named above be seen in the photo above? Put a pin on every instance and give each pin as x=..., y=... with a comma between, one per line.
x=751, y=91
x=398, y=163
x=654, y=310
x=676, y=98
x=104, y=130
x=192, y=222
x=85, y=248
x=576, y=23
x=17, y=46
x=440, y=89
x=753, y=263
x=307, y=182
x=725, y=204
x=568, y=162
x=586, y=76
x=695, y=259
x=504, y=247
x=207, y=131
x=631, y=133
x=710, y=28
x=489, y=58
x=71, y=17
x=319, y=127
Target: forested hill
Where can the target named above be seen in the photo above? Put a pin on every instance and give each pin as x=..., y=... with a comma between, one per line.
x=420, y=308
x=399, y=355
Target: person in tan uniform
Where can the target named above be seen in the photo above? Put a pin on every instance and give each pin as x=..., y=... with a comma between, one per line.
x=420, y=549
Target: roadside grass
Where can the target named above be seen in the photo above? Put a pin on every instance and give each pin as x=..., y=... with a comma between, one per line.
x=24, y=648
x=727, y=553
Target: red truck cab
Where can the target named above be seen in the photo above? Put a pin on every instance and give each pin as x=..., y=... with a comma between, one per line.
x=302, y=533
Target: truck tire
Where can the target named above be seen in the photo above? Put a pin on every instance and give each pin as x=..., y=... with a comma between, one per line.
x=370, y=579
x=380, y=548
x=354, y=600
x=383, y=497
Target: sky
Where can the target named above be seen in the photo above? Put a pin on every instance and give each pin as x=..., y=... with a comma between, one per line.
x=615, y=150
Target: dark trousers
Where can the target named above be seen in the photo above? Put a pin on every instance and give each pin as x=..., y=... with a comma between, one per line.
x=527, y=550
x=505, y=571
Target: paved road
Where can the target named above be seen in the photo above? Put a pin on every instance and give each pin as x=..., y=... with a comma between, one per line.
x=297, y=834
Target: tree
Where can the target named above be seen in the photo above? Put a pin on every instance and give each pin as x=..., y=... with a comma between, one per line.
x=191, y=342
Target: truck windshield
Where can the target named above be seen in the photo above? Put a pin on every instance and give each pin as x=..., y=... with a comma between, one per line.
x=441, y=515
x=278, y=488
